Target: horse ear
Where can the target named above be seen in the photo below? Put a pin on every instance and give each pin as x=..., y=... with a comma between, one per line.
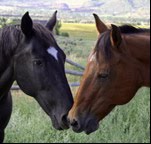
x=101, y=27
x=27, y=25
x=116, y=37
x=52, y=22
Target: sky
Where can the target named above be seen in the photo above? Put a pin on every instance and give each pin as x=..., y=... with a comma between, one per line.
x=72, y=3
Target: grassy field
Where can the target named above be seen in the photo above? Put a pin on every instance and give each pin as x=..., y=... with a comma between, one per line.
x=126, y=124
x=86, y=31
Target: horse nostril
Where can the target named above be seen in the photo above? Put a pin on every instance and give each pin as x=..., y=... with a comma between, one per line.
x=64, y=122
x=65, y=119
x=74, y=123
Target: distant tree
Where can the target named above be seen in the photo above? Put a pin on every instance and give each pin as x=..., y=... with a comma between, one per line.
x=65, y=34
x=58, y=27
x=57, y=30
x=3, y=22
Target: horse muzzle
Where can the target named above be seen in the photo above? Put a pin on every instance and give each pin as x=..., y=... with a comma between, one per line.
x=88, y=125
x=62, y=124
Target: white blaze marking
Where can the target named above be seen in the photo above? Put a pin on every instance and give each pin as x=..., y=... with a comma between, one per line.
x=52, y=51
x=93, y=57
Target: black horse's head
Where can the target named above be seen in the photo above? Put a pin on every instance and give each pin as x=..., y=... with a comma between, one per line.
x=39, y=70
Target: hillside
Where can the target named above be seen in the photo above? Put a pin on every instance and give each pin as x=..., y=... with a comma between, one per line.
x=72, y=10
x=117, y=6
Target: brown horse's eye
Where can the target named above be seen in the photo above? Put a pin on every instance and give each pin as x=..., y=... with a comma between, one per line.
x=103, y=76
x=38, y=62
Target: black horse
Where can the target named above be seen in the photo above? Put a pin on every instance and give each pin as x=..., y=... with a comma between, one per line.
x=30, y=55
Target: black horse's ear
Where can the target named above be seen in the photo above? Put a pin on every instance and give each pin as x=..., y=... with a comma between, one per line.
x=27, y=25
x=115, y=36
x=52, y=22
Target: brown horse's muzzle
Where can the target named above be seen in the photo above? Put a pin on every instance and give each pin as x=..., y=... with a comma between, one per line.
x=87, y=124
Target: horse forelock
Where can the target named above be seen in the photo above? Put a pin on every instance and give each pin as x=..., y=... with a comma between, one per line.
x=43, y=33
x=103, y=46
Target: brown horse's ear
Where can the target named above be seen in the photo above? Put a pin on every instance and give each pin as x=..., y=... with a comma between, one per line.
x=52, y=22
x=101, y=27
x=116, y=37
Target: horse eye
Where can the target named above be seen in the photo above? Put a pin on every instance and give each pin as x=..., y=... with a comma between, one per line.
x=103, y=76
x=38, y=62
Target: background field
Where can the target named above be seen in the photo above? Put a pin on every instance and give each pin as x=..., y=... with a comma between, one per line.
x=126, y=124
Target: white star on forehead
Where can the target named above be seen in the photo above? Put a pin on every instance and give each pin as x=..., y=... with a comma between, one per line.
x=53, y=52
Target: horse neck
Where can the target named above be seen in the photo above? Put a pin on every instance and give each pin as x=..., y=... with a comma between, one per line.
x=138, y=46
x=8, y=45
x=6, y=81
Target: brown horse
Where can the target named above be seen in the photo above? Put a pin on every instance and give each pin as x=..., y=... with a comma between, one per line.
x=117, y=67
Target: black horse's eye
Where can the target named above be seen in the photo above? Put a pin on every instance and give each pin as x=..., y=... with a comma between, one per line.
x=38, y=62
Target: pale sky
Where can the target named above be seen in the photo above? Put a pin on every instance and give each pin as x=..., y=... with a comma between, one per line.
x=73, y=2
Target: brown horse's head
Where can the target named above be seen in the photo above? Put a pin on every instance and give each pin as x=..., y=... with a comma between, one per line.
x=111, y=78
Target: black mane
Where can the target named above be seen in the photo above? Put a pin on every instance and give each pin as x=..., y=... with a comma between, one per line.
x=9, y=39
x=128, y=29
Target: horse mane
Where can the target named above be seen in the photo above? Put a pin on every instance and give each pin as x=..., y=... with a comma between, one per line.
x=128, y=29
x=9, y=39
x=104, y=42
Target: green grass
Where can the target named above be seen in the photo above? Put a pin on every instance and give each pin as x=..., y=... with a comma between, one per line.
x=125, y=124
x=85, y=31
x=129, y=123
